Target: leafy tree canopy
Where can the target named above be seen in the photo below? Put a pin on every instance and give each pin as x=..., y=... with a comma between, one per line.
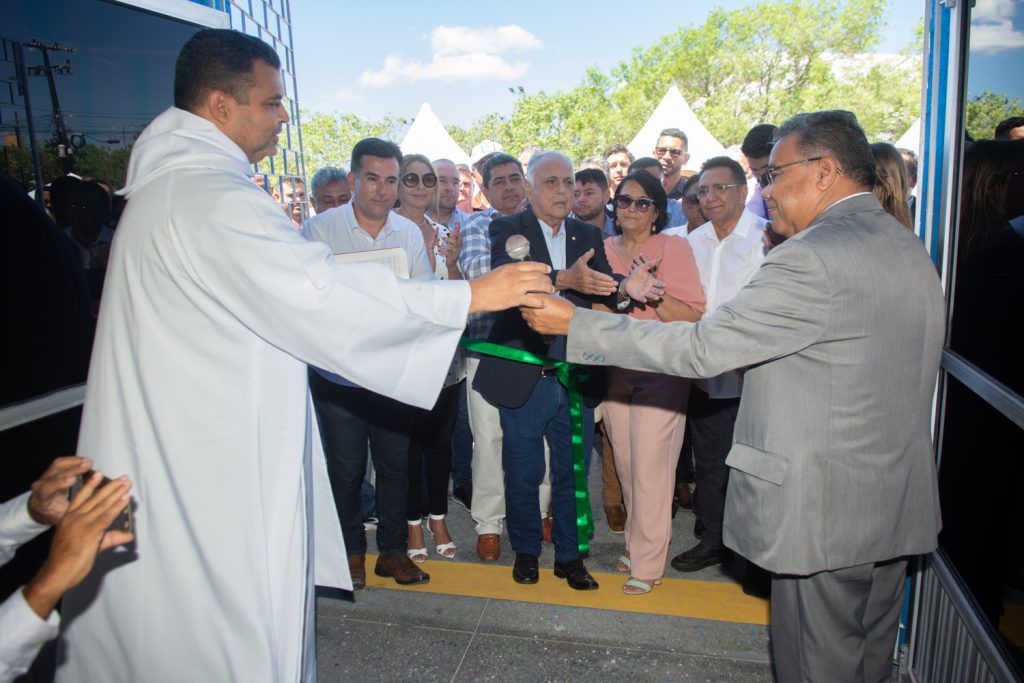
x=761, y=63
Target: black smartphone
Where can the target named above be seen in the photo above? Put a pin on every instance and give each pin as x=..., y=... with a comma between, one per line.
x=123, y=522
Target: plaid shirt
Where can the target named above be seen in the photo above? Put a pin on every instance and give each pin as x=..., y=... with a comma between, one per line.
x=474, y=261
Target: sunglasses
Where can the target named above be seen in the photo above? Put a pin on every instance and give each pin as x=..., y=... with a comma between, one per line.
x=662, y=151
x=412, y=180
x=625, y=201
x=691, y=200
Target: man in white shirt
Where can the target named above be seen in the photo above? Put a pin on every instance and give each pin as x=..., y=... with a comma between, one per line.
x=329, y=189
x=728, y=250
x=350, y=414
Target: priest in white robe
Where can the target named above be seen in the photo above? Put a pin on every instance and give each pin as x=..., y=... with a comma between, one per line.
x=212, y=308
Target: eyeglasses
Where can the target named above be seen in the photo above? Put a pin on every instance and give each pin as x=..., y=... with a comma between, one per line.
x=411, y=180
x=717, y=188
x=662, y=151
x=771, y=173
x=691, y=199
x=624, y=201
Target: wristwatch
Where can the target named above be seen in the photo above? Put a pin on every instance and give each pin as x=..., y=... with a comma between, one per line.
x=624, y=301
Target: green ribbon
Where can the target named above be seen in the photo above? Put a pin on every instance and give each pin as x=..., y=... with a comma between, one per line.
x=569, y=376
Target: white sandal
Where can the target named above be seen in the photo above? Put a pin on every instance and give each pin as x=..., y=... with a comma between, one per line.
x=417, y=555
x=445, y=550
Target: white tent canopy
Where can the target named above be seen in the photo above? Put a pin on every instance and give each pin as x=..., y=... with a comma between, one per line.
x=428, y=137
x=674, y=112
x=912, y=138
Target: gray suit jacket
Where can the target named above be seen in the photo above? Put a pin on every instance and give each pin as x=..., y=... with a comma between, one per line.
x=841, y=332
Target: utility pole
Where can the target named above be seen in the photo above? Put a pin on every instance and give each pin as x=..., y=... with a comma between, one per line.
x=19, y=64
x=64, y=147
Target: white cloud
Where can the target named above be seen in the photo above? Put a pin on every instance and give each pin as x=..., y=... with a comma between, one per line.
x=466, y=67
x=460, y=53
x=996, y=37
x=489, y=39
x=993, y=10
x=992, y=29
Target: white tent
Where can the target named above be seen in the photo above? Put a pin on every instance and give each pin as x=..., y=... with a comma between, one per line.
x=674, y=112
x=912, y=138
x=428, y=137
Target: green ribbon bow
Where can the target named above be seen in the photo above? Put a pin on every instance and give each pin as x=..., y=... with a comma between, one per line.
x=569, y=376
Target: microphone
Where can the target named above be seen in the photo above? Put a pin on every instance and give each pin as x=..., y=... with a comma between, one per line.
x=518, y=248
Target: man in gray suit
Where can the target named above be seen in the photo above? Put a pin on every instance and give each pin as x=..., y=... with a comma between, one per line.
x=832, y=482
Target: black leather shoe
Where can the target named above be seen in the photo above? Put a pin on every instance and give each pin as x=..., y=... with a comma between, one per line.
x=576, y=575
x=463, y=495
x=696, y=558
x=525, y=569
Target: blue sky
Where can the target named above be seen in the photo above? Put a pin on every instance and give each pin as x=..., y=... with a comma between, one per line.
x=371, y=58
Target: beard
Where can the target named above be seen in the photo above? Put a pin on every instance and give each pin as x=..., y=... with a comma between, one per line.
x=590, y=215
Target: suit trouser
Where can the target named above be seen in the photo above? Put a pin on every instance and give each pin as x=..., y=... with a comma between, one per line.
x=644, y=414
x=611, y=487
x=488, y=508
x=838, y=626
x=349, y=416
x=543, y=418
x=711, y=422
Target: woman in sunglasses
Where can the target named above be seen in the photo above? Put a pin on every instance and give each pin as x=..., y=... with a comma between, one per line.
x=645, y=412
x=430, y=448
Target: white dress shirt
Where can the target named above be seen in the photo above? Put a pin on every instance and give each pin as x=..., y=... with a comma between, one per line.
x=725, y=267
x=339, y=230
x=555, y=244
x=22, y=632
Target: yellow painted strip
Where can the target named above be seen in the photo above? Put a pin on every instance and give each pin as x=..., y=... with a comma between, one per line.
x=712, y=600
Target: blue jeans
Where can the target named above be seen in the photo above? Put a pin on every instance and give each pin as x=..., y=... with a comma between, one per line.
x=545, y=415
x=462, y=442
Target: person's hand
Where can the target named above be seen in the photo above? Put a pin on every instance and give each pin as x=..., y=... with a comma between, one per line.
x=642, y=284
x=513, y=284
x=49, y=499
x=552, y=318
x=450, y=248
x=771, y=238
x=582, y=278
x=81, y=534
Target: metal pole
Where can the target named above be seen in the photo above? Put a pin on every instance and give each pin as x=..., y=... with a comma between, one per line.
x=19, y=60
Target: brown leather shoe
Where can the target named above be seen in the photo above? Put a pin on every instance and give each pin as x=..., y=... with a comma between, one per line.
x=357, y=568
x=399, y=567
x=545, y=529
x=684, y=496
x=488, y=547
x=616, y=518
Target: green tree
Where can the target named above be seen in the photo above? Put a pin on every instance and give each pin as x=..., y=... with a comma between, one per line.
x=762, y=63
x=328, y=139
x=986, y=110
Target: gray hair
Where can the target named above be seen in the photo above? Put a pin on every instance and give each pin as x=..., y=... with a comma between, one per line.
x=326, y=176
x=597, y=162
x=834, y=133
x=538, y=159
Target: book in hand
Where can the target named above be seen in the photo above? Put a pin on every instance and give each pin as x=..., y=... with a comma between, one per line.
x=393, y=258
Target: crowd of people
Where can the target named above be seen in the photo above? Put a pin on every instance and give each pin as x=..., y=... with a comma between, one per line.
x=213, y=300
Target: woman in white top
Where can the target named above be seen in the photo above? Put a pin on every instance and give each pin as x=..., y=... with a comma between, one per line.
x=430, y=450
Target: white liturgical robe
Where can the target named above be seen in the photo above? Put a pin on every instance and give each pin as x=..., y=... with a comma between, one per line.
x=212, y=309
